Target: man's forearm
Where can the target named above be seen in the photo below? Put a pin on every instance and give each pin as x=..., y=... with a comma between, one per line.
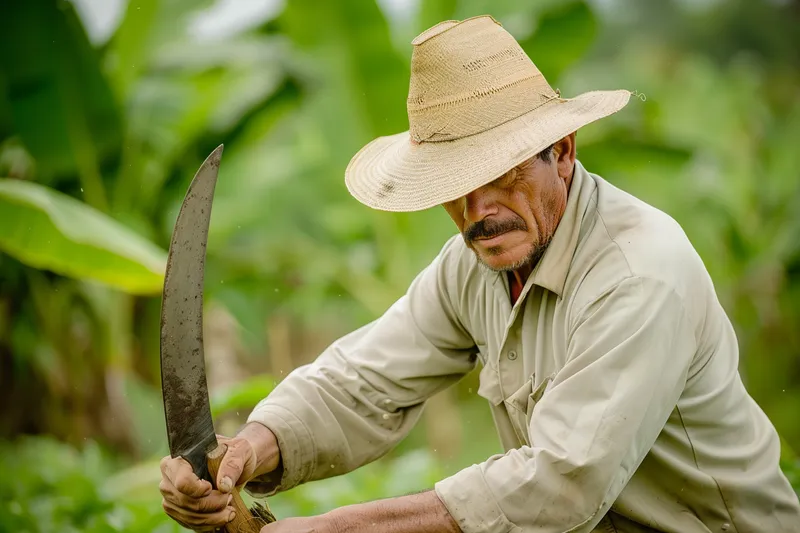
x=416, y=513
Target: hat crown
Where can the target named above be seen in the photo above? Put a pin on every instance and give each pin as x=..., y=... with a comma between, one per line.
x=468, y=77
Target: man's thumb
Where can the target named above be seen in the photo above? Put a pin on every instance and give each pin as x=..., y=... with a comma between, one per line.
x=230, y=470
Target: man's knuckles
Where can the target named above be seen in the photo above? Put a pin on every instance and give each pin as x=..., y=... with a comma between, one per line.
x=179, y=473
x=190, y=484
x=165, y=487
x=208, y=504
x=211, y=504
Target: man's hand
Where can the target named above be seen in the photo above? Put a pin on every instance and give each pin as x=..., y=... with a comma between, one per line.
x=193, y=503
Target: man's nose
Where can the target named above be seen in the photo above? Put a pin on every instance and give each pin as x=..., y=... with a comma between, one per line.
x=478, y=205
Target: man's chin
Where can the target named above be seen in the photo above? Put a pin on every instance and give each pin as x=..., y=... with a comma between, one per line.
x=499, y=260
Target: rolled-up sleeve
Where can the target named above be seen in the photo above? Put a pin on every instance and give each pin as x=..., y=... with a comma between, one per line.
x=628, y=355
x=365, y=392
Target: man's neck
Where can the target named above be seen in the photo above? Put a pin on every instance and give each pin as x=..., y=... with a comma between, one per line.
x=521, y=274
x=516, y=282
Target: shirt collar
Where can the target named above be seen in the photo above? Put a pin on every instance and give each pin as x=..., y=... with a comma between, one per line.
x=551, y=271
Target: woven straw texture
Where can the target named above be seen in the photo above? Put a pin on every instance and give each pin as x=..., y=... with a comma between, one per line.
x=477, y=107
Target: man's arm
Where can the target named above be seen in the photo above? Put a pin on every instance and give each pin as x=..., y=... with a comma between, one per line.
x=416, y=513
x=366, y=391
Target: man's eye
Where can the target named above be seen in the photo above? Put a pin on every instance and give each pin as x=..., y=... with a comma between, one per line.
x=508, y=178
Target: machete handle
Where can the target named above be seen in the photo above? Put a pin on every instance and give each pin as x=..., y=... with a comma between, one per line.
x=245, y=521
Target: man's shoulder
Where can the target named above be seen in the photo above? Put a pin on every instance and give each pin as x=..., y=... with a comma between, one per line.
x=632, y=239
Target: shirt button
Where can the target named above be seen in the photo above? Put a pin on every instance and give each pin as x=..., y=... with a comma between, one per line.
x=725, y=526
x=512, y=355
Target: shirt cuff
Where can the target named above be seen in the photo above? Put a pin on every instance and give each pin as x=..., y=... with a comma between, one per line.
x=471, y=503
x=296, y=445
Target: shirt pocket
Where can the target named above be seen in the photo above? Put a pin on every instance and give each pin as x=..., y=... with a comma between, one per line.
x=520, y=405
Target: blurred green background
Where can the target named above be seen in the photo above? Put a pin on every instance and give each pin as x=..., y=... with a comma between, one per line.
x=107, y=108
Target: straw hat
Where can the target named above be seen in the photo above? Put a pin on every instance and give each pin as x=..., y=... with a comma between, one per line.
x=477, y=107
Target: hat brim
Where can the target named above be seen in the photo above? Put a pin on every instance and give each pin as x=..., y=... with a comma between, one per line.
x=394, y=174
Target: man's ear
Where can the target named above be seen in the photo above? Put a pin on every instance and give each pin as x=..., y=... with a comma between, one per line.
x=564, y=153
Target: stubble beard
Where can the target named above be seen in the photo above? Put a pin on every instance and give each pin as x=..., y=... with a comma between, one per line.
x=492, y=228
x=530, y=260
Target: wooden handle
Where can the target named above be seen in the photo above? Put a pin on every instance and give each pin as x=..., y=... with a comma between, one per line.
x=245, y=520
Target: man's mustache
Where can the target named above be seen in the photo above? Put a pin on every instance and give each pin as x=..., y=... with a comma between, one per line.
x=488, y=228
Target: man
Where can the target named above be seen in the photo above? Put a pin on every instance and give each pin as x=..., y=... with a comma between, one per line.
x=609, y=364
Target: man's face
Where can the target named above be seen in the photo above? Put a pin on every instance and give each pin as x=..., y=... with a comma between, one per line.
x=509, y=222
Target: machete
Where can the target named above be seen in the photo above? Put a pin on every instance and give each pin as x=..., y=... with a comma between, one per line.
x=190, y=428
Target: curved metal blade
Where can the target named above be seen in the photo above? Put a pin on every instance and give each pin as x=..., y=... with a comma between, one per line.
x=190, y=429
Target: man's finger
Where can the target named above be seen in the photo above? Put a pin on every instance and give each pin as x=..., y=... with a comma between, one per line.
x=195, y=520
x=166, y=487
x=180, y=474
x=193, y=528
x=232, y=464
x=215, y=501
x=199, y=529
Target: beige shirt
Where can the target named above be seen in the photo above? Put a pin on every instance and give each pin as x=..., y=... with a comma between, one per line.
x=613, y=383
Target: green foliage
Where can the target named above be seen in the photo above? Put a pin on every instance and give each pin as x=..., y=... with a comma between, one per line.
x=563, y=36
x=52, y=231
x=60, y=105
x=48, y=486
x=792, y=471
x=242, y=395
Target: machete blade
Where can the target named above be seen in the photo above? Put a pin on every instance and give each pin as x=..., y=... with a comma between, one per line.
x=190, y=429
